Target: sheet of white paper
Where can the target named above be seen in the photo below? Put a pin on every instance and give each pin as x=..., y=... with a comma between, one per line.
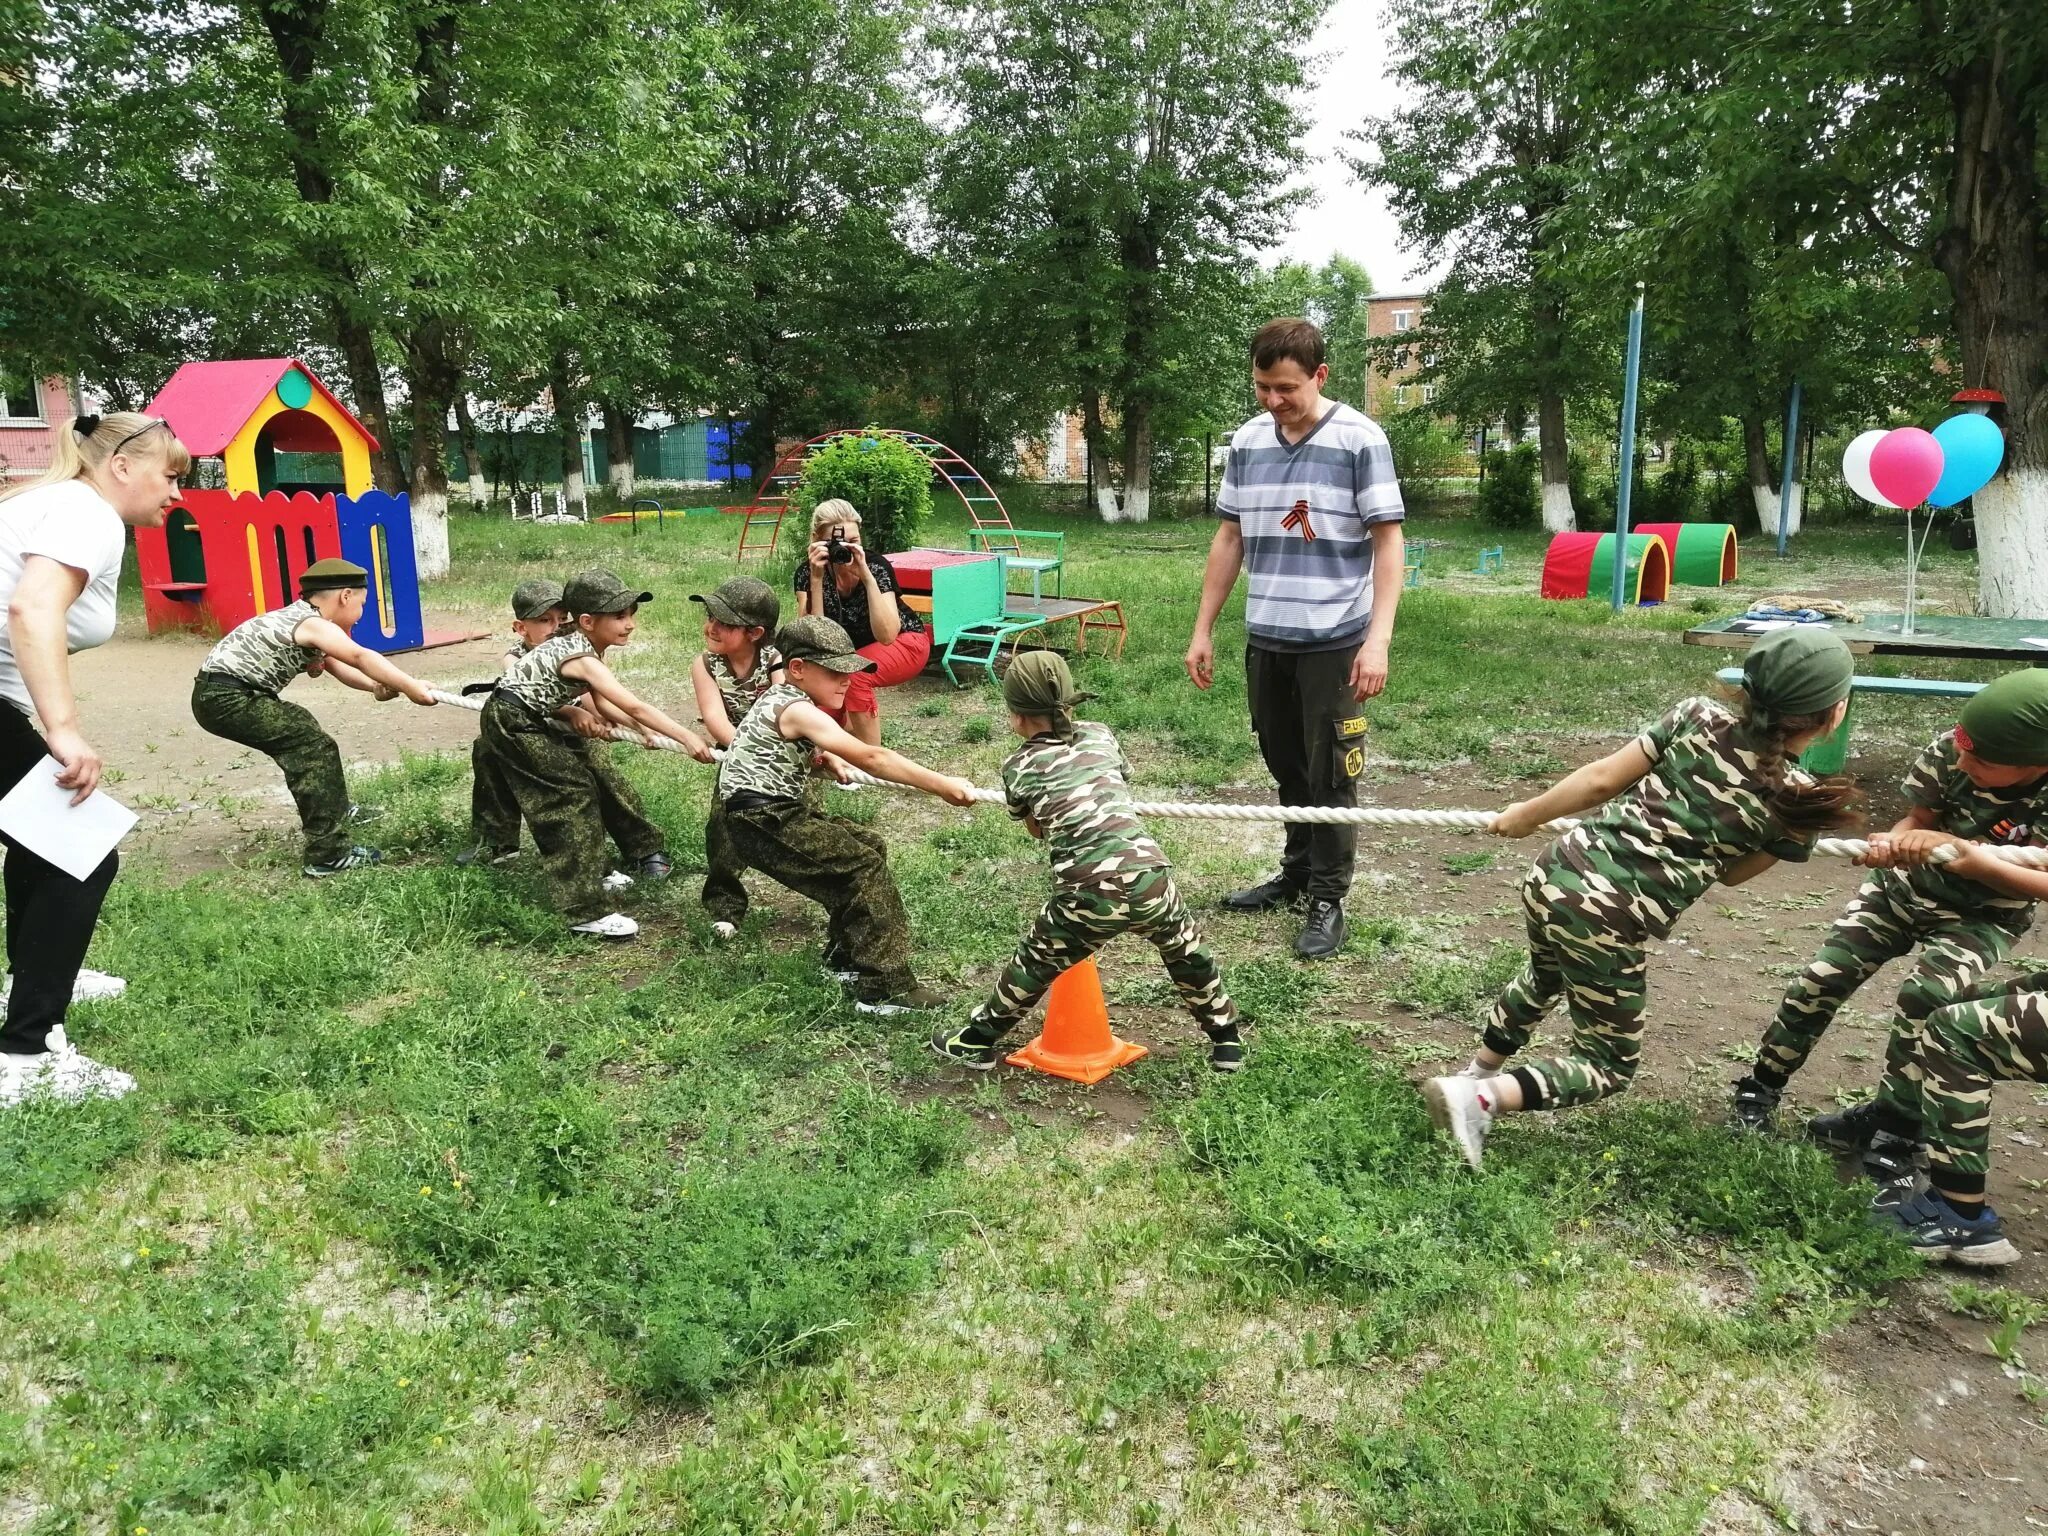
x=38, y=814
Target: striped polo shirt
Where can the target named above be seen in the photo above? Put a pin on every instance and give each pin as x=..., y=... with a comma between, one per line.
x=1304, y=508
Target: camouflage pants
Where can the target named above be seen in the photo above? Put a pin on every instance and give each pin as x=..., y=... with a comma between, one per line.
x=558, y=785
x=1602, y=979
x=1076, y=923
x=842, y=866
x=725, y=894
x=1884, y=921
x=494, y=809
x=1998, y=1033
x=290, y=737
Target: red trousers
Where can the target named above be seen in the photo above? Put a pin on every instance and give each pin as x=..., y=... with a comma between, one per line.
x=897, y=662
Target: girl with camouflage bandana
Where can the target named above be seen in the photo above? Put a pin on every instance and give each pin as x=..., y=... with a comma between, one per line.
x=1702, y=796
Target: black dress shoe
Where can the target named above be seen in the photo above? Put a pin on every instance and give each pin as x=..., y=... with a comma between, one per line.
x=1264, y=896
x=1323, y=934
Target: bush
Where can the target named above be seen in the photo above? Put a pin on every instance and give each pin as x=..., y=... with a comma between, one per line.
x=1425, y=446
x=886, y=479
x=1508, y=498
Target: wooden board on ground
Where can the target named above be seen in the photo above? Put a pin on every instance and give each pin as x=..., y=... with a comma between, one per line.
x=1935, y=634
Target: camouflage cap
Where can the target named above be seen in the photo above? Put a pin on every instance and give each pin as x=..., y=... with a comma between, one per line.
x=331, y=576
x=2007, y=722
x=817, y=639
x=600, y=591
x=532, y=598
x=744, y=601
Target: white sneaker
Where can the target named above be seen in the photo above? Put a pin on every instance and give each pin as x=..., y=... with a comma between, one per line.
x=1454, y=1106
x=617, y=880
x=60, y=1074
x=613, y=925
x=91, y=987
x=724, y=931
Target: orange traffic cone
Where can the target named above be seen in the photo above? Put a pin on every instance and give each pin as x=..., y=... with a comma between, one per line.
x=1076, y=1042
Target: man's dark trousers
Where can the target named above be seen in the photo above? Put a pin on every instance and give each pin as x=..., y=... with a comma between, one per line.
x=1311, y=734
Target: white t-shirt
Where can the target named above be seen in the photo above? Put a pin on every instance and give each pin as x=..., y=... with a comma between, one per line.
x=70, y=523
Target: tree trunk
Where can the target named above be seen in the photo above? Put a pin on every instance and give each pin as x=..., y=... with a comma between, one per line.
x=1137, y=461
x=472, y=456
x=434, y=381
x=1099, y=457
x=618, y=449
x=1555, y=456
x=1763, y=482
x=569, y=427
x=1997, y=266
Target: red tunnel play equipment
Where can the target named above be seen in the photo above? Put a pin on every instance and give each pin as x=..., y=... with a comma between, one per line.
x=1702, y=554
x=1582, y=565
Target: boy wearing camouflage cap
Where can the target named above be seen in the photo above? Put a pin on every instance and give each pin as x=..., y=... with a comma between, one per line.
x=537, y=613
x=1702, y=796
x=555, y=777
x=235, y=696
x=1960, y=788
x=1994, y=1032
x=840, y=865
x=736, y=667
x=1069, y=785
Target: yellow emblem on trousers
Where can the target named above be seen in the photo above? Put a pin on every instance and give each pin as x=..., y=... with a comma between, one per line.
x=1354, y=762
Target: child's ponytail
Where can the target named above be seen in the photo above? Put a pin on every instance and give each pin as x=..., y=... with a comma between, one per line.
x=1805, y=806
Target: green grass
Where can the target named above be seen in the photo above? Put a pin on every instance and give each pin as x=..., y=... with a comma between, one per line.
x=429, y=1220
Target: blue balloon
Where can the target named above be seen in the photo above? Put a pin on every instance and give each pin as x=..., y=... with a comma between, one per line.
x=1972, y=448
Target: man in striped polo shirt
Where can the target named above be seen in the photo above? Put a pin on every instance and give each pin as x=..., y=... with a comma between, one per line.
x=1311, y=509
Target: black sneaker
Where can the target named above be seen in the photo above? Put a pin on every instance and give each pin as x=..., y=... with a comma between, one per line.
x=1895, y=1193
x=1265, y=896
x=1934, y=1229
x=355, y=858
x=656, y=866
x=838, y=964
x=1890, y=1158
x=968, y=1046
x=1226, y=1049
x=481, y=855
x=1323, y=934
x=1755, y=1107
x=910, y=1000
x=1846, y=1130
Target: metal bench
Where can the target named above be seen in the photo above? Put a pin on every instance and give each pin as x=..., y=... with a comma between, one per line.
x=1831, y=753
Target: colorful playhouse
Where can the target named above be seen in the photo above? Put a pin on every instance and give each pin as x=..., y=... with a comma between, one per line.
x=226, y=556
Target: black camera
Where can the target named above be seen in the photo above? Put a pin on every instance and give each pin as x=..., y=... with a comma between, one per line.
x=837, y=550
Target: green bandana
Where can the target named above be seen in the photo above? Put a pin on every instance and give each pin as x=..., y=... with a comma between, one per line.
x=1798, y=671
x=2007, y=723
x=1038, y=683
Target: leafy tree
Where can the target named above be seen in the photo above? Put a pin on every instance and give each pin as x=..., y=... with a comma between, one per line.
x=1110, y=173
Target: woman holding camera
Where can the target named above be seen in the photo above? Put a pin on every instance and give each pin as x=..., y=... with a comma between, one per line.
x=857, y=591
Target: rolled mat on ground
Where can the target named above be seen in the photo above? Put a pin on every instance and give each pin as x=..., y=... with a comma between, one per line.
x=1582, y=565
x=1702, y=554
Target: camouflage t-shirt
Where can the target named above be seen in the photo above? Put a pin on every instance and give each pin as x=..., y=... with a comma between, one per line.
x=759, y=760
x=2019, y=815
x=1652, y=852
x=742, y=694
x=261, y=651
x=535, y=682
x=1078, y=793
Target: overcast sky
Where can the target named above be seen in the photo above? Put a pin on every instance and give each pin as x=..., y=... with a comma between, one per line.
x=1345, y=219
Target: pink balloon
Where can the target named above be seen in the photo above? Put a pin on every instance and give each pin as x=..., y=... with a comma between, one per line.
x=1906, y=466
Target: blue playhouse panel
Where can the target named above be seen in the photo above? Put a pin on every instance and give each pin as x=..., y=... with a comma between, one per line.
x=360, y=518
x=718, y=446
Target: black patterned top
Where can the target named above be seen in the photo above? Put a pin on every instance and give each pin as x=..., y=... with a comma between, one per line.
x=849, y=610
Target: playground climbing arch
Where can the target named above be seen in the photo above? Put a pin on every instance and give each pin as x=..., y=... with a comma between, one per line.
x=762, y=527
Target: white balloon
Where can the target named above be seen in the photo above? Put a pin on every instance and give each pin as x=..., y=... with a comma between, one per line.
x=1856, y=466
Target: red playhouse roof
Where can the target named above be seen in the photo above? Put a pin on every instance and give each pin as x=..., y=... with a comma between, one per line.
x=208, y=403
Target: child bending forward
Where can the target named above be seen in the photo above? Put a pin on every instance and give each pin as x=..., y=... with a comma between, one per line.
x=1067, y=784
x=1709, y=797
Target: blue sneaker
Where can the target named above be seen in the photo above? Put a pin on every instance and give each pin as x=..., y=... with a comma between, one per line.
x=1933, y=1228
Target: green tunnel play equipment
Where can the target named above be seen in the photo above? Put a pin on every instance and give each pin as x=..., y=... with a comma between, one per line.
x=1702, y=554
x=1582, y=565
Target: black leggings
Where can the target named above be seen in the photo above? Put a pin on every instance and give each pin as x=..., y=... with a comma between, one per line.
x=50, y=916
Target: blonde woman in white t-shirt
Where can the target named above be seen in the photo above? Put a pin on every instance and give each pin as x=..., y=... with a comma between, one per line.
x=61, y=541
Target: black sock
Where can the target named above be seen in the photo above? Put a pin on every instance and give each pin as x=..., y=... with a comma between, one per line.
x=1968, y=1210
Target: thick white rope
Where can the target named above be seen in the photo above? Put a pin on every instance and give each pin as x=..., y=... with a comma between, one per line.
x=1328, y=815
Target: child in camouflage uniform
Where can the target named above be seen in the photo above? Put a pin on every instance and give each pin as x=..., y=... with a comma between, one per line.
x=1962, y=927
x=776, y=829
x=1994, y=1032
x=1068, y=785
x=236, y=693
x=735, y=669
x=537, y=613
x=1709, y=798
x=555, y=777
